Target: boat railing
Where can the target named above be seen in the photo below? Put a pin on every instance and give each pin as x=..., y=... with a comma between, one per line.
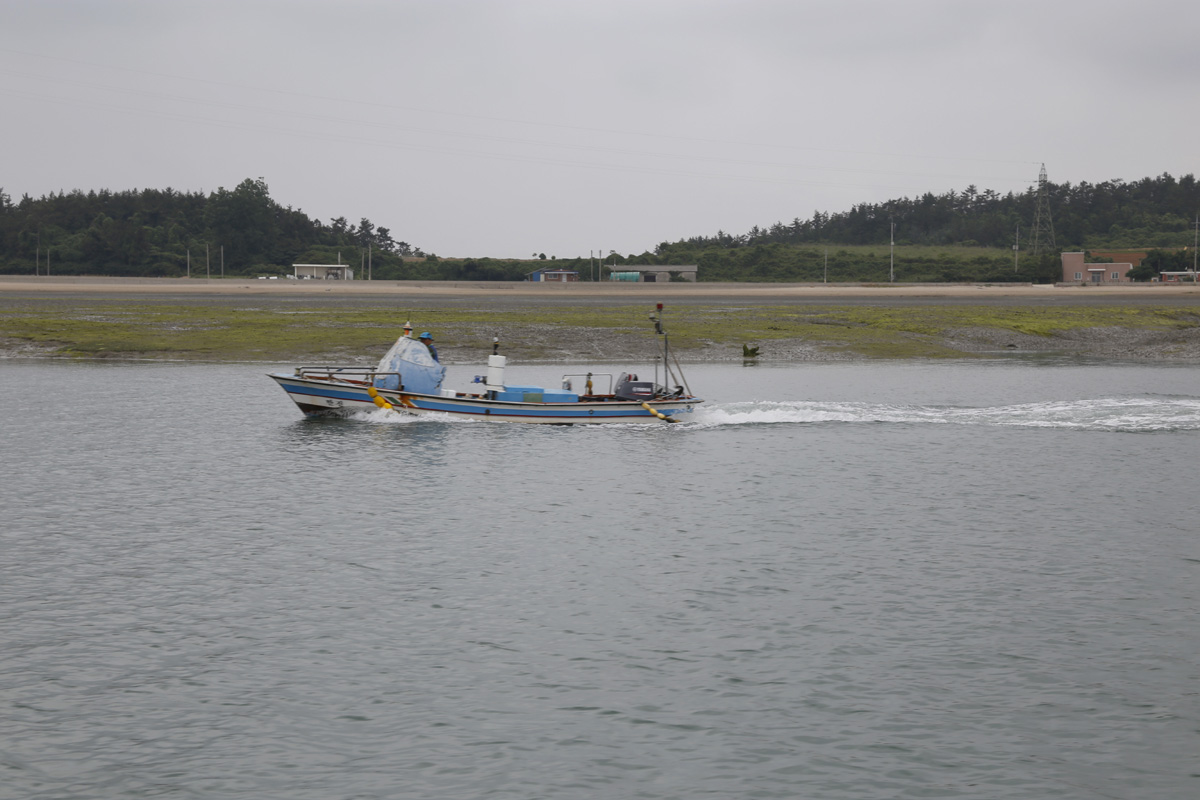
x=588, y=377
x=346, y=374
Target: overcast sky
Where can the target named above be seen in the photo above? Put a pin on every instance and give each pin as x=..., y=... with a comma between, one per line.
x=507, y=128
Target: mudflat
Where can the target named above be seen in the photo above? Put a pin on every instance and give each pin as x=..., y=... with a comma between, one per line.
x=283, y=320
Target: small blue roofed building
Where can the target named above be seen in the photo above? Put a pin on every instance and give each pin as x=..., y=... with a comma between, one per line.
x=552, y=275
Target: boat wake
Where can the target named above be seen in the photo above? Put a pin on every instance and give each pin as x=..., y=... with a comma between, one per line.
x=384, y=416
x=1130, y=414
x=387, y=416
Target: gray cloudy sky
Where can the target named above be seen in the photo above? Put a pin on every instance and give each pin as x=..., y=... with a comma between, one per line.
x=509, y=127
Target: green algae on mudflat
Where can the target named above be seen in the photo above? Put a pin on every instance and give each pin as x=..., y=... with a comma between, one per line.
x=189, y=331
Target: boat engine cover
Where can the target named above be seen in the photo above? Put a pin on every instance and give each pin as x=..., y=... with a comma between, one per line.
x=629, y=388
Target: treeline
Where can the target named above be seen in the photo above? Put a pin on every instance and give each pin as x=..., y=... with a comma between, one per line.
x=783, y=263
x=1152, y=212
x=957, y=236
x=953, y=237
x=155, y=232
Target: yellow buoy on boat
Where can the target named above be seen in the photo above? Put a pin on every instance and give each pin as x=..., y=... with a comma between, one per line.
x=658, y=414
x=379, y=401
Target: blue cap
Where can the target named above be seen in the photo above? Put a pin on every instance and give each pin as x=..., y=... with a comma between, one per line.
x=425, y=335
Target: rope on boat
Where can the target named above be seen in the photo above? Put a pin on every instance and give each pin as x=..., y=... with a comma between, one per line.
x=658, y=414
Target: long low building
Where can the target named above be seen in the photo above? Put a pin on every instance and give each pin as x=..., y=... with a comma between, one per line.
x=323, y=272
x=651, y=273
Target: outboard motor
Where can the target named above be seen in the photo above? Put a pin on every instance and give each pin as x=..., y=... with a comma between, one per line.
x=630, y=388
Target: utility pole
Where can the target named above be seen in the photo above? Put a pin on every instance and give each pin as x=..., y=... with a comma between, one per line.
x=37, y=256
x=892, y=267
x=1016, y=249
x=222, y=261
x=368, y=260
x=207, y=265
x=827, y=265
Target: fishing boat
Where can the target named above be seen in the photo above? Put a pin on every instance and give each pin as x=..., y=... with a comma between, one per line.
x=408, y=380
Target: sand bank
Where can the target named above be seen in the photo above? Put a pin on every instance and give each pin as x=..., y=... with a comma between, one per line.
x=605, y=291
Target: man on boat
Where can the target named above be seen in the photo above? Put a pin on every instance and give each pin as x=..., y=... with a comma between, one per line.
x=426, y=339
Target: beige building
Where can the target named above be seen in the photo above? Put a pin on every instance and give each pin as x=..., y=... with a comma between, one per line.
x=1076, y=270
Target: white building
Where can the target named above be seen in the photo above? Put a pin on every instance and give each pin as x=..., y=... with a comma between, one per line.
x=324, y=272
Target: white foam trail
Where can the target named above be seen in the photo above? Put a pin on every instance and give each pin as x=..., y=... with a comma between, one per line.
x=384, y=416
x=1109, y=414
x=387, y=416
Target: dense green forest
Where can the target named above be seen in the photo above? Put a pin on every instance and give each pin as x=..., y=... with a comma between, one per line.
x=157, y=232
x=957, y=236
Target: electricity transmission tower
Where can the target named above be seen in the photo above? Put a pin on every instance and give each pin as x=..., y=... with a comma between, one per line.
x=1043, y=225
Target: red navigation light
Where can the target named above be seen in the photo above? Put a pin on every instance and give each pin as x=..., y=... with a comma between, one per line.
x=660, y=306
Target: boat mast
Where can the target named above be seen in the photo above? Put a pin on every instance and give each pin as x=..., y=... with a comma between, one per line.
x=666, y=350
x=668, y=377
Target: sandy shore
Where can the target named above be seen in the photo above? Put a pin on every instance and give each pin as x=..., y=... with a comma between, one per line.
x=685, y=293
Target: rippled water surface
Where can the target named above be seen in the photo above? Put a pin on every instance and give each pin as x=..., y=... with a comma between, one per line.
x=835, y=581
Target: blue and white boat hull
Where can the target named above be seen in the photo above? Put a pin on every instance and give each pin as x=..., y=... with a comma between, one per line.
x=408, y=379
x=322, y=396
x=325, y=397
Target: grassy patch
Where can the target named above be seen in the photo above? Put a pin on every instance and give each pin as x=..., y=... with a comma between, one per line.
x=289, y=332
x=187, y=331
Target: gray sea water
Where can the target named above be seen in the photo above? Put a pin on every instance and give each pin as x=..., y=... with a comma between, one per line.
x=857, y=581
